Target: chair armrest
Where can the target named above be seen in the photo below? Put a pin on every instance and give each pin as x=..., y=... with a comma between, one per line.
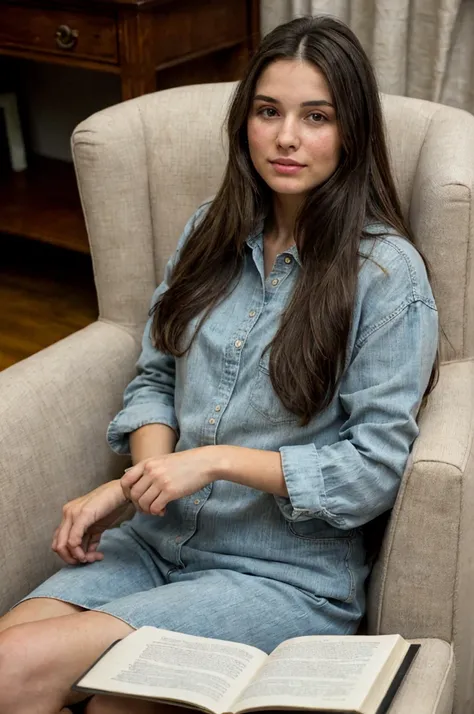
x=54, y=410
x=423, y=582
x=428, y=687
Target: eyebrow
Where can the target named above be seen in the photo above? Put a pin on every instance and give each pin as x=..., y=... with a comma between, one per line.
x=311, y=103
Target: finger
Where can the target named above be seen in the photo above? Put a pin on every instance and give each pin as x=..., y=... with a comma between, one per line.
x=61, y=539
x=78, y=553
x=61, y=546
x=93, y=547
x=137, y=491
x=92, y=553
x=94, y=539
x=79, y=527
x=158, y=507
x=130, y=477
x=85, y=545
x=148, y=497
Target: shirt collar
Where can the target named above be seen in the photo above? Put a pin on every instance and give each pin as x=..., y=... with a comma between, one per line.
x=256, y=238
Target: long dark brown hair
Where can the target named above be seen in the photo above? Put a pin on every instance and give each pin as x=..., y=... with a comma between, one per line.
x=308, y=353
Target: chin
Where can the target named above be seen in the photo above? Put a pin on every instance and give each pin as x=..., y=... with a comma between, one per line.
x=289, y=188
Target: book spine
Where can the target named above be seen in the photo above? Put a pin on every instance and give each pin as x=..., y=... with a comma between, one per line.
x=397, y=680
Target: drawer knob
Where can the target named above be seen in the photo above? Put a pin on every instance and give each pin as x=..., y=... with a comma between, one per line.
x=66, y=38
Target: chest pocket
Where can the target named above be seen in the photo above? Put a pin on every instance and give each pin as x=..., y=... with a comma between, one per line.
x=265, y=400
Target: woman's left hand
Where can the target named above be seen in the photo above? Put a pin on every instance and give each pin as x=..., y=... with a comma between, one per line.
x=153, y=483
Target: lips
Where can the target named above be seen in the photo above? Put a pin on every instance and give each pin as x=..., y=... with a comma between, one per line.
x=287, y=167
x=286, y=162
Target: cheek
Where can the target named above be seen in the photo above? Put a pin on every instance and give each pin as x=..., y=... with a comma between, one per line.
x=258, y=138
x=325, y=147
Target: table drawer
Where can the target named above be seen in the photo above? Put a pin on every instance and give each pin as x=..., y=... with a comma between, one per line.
x=82, y=35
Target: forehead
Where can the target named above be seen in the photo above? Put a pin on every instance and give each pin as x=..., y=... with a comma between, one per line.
x=293, y=81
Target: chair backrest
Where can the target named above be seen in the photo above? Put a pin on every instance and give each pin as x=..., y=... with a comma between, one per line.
x=143, y=167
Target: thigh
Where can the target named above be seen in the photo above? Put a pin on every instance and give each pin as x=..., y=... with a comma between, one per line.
x=41, y=660
x=37, y=609
x=128, y=566
x=228, y=605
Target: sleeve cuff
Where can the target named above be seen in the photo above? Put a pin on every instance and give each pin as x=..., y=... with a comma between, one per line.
x=305, y=484
x=133, y=418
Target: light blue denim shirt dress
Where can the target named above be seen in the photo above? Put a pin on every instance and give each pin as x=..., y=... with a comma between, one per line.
x=237, y=563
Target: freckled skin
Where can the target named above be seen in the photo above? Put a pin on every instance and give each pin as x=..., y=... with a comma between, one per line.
x=284, y=129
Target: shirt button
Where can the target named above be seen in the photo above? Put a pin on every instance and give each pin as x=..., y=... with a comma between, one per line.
x=217, y=408
x=212, y=421
x=252, y=313
x=287, y=259
x=197, y=501
x=275, y=281
x=238, y=344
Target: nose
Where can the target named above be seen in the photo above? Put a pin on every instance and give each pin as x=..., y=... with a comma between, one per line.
x=288, y=134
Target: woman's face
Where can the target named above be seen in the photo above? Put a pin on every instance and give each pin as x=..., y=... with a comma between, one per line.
x=292, y=129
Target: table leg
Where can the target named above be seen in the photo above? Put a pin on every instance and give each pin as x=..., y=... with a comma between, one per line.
x=138, y=75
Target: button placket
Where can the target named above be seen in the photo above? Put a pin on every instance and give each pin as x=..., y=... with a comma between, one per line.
x=232, y=354
x=212, y=421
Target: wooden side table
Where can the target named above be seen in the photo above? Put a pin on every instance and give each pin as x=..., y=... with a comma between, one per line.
x=149, y=44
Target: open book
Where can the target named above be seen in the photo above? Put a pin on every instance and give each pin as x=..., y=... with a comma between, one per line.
x=318, y=673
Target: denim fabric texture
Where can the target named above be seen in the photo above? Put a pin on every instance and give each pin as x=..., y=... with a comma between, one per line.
x=301, y=557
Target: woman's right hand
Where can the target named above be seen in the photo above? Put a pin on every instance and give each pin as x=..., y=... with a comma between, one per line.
x=85, y=519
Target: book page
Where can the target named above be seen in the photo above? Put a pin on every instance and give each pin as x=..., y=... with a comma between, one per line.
x=160, y=664
x=330, y=673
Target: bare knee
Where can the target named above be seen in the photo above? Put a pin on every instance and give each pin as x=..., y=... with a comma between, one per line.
x=13, y=655
x=39, y=608
x=16, y=667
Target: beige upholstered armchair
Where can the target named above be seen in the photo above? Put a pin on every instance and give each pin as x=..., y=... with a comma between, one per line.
x=143, y=167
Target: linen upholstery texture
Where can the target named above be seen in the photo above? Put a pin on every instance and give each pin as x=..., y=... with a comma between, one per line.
x=54, y=409
x=143, y=167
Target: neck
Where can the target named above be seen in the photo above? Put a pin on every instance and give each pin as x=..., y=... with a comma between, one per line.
x=281, y=226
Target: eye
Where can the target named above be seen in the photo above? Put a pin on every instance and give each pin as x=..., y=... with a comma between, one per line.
x=267, y=112
x=317, y=118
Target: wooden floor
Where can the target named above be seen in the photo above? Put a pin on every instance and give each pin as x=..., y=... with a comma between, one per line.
x=46, y=293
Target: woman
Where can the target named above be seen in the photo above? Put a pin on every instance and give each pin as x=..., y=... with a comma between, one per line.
x=283, y=366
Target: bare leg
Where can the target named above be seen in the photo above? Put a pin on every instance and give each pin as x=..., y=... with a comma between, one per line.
x=40, y=660
x=38, y=608
x=45, y=608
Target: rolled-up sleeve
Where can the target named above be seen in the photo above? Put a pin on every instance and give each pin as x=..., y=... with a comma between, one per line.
x=350, y=482
x=149, y=398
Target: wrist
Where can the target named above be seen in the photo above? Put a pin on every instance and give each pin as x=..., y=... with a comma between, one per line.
x=219, y=463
